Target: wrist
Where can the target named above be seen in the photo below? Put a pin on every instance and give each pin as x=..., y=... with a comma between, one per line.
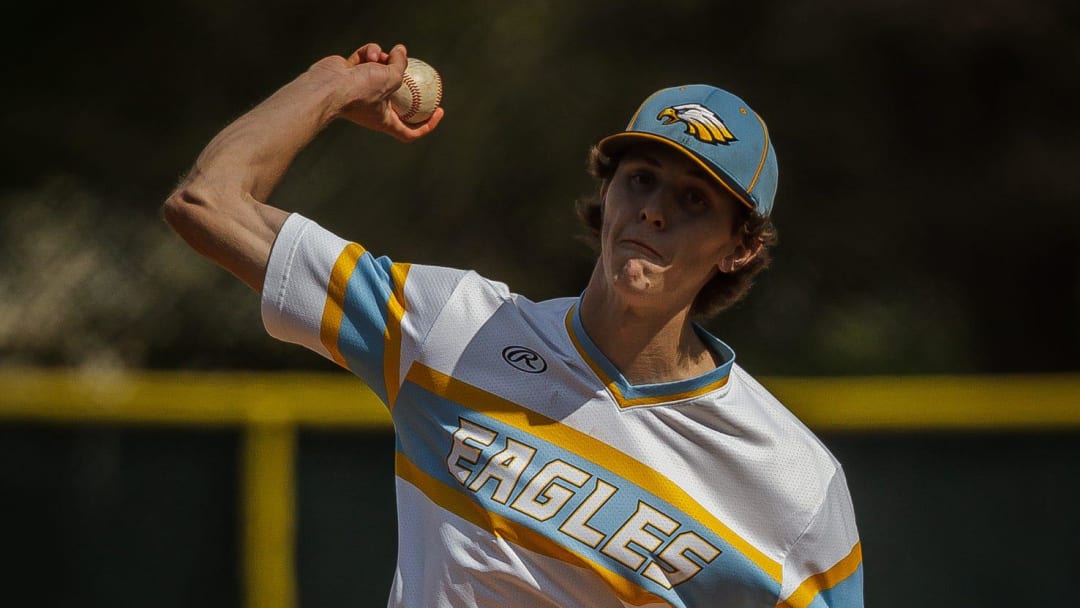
x=328, y=91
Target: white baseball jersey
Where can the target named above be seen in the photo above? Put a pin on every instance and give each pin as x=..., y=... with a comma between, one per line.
x=531, y=473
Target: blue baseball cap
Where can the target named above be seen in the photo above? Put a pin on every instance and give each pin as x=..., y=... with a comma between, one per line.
x=714, y=128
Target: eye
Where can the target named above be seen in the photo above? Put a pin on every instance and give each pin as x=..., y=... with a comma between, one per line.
x=695, y=200
x=642, y=177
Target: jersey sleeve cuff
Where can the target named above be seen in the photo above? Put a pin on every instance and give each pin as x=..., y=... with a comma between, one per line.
x=279, y=316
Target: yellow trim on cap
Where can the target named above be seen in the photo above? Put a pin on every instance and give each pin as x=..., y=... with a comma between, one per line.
x=649, y=136
x=764, y=154
x=633, y=118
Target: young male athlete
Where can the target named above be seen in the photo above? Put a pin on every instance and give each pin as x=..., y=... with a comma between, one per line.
x=601, y=450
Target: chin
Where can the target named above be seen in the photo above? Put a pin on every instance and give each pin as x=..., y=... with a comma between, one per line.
x=638, y=288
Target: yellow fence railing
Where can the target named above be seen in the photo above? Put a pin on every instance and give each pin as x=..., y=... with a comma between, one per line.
x=270, y=406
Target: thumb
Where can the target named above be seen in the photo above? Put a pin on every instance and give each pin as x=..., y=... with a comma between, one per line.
x=398, y=60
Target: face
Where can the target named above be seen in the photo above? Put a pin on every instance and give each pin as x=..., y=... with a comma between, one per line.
x=668, y=228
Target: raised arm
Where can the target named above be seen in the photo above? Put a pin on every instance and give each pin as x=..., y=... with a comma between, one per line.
x=219, y=208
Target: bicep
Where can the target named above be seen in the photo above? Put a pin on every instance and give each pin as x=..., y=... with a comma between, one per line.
x=238, y=237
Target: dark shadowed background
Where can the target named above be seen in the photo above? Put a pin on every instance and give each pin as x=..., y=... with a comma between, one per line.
x=927, y=204
x=928, y=209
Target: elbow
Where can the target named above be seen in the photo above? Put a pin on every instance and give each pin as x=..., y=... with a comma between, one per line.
x=175, y=207
x=189, y=212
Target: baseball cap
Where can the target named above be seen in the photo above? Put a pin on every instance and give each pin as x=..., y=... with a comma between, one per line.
x=714, y=128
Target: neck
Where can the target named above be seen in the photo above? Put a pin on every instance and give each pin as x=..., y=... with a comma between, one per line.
x=647, y=344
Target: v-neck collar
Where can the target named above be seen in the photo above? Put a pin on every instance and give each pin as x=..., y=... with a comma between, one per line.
x=633, y=395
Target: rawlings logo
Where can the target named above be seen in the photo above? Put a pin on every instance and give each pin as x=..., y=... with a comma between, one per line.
x=524, y=359
x=701, y=122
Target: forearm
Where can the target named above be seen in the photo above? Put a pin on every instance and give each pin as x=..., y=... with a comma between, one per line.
x=219, y=207
x=250, y=156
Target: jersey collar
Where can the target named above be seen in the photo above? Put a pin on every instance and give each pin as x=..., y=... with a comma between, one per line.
x=633, y=395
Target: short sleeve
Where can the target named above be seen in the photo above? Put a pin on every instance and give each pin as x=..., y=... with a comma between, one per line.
x=361, y=311
x=824, y=567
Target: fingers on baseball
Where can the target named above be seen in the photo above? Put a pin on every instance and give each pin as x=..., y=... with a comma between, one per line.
x=407, y=133
x=398, y=58
x=369, y=53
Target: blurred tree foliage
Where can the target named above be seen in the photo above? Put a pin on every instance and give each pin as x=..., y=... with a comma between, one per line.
x=927, y=207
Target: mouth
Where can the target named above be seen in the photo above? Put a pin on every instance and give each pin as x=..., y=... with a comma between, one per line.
x=643, y=248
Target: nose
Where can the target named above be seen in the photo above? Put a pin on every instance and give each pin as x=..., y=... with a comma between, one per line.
x=652, y=211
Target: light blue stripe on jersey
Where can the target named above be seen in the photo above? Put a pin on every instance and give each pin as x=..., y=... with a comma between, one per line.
x=655, y=393
x=361, y=338
x=425, y=427
x=848, y=593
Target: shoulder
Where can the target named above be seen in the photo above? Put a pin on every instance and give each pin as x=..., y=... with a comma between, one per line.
x=811, y=477
x=476, y=301
x=784, y=421
x=553, y=308
x=799, y=457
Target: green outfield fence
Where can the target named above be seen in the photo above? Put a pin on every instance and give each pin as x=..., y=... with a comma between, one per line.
x=270, y=407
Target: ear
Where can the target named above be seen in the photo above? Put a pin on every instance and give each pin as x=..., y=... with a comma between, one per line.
x=741, y=256
x=603, y=192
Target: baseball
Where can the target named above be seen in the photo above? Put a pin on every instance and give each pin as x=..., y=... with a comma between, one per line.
x=420, y=93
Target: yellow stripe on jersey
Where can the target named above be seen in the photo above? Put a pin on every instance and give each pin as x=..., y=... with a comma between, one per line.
x=334, y=309
x=613, y=387
x=589, y=448
x=471, y=511
x=811, y=587
x=395, y=310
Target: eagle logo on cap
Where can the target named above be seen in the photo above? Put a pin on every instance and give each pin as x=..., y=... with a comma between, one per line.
x=701, y=122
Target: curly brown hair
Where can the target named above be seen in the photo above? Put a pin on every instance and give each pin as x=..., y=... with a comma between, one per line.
x=723, y=290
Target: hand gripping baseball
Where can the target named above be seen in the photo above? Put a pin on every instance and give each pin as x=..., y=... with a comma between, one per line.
x=371, y=77
x=420, y=93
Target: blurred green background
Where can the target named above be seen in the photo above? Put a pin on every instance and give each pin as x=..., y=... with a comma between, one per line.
x=927, y=205
x=928, y=214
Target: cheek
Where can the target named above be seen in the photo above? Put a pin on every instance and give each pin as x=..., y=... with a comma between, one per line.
x=605, y=225
x=712, y=250
x=610, y=217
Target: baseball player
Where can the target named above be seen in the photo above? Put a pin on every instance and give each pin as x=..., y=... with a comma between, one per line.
x=590, y=451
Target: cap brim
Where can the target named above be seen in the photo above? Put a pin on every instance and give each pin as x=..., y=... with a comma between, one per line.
x=616, y=143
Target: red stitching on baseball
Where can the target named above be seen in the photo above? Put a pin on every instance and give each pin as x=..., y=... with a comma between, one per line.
x=414, y=90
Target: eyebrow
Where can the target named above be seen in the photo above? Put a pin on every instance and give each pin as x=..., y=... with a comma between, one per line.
x=697, y=172
x=701, y=174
